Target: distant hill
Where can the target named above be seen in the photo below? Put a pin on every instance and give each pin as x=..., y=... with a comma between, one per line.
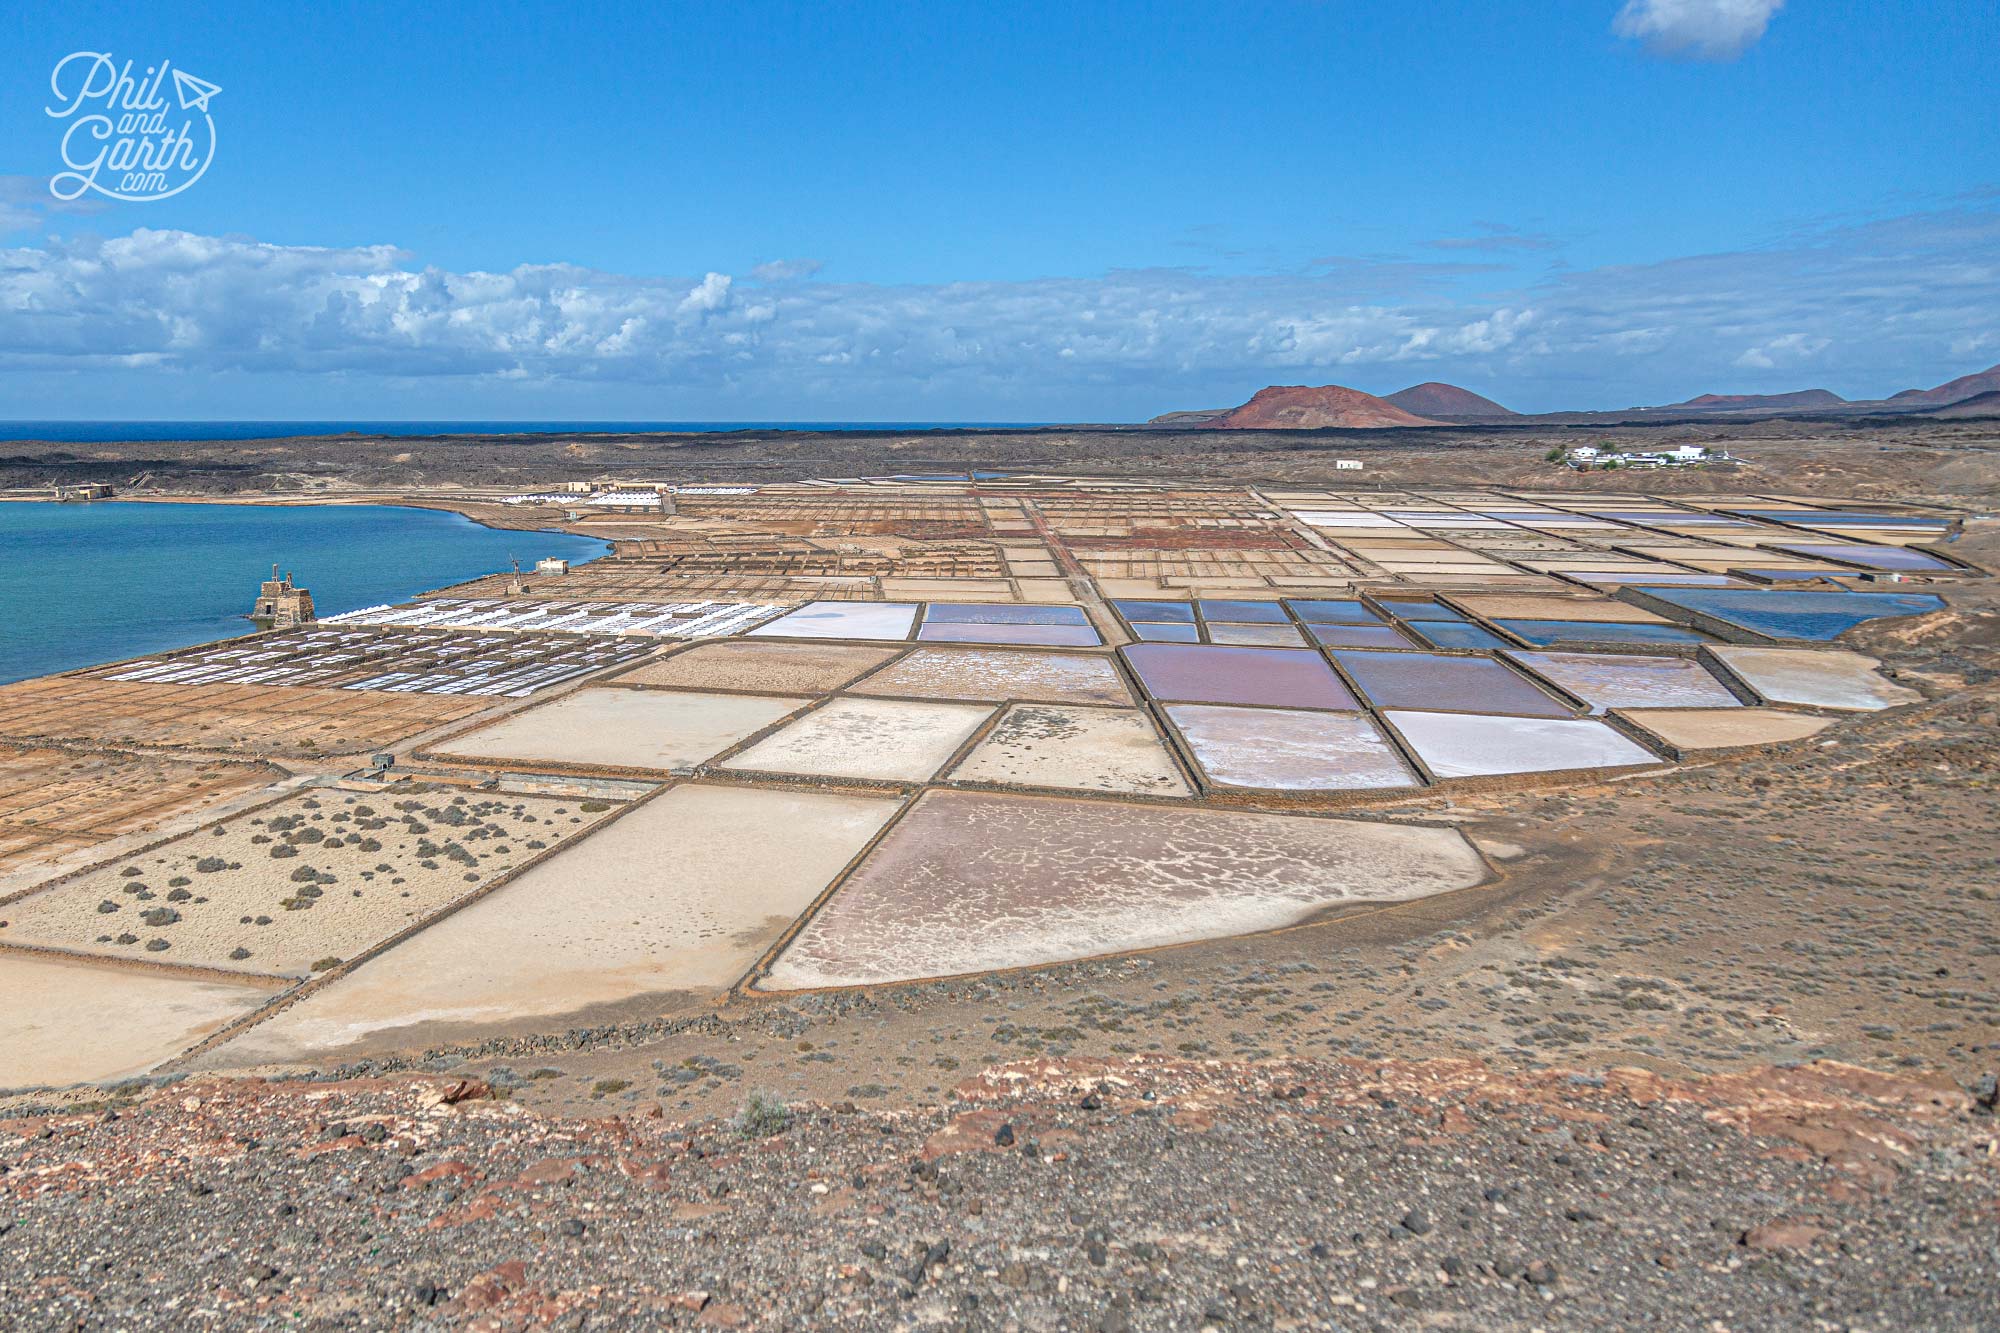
x=1979, y=405
x=1951, y=391
x=1737, y=402
x=1200, y=416
x=1433, y=399
x=1300, y=407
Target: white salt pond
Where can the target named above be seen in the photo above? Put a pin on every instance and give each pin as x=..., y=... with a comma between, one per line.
x=1470, y=745
x=843, y=620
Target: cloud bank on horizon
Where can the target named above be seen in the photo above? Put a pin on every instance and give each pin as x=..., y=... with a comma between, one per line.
x=1861, y=308
x=1696, y=29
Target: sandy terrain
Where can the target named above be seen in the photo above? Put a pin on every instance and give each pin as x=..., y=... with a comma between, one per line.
x=55, y=802
x=317, y=878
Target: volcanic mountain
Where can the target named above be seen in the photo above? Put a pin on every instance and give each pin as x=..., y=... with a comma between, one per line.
x=1952, y=391
x=1741, y=402
x=1433, y=399
x=1979, y=405
x=1299, y=407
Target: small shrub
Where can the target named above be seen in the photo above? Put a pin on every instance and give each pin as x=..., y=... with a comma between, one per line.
x=762, y=1116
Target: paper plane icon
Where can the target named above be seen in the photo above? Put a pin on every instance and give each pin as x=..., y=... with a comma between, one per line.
x=194, y=93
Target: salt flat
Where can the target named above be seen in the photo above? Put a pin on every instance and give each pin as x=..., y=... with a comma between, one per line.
x=681, y=895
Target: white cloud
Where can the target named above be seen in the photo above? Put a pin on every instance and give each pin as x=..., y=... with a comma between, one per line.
x=1791, y=349
x=710, y=294
x=1871, y=308
x=1696, y=29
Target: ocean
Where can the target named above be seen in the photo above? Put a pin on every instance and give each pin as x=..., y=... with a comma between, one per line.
x=87, y=583
x=99, y=432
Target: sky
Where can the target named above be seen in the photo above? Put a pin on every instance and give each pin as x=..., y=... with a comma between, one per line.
x=1030, y=212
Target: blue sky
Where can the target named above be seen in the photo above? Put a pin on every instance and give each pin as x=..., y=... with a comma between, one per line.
x=1028, y=212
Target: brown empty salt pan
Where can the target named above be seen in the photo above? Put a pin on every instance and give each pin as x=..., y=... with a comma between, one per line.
x=1685, y=729
x=972, y=882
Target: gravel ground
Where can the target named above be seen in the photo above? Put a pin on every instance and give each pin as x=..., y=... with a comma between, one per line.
x=1087, y=1194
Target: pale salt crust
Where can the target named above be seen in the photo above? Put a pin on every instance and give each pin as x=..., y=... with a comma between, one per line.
x=1079, y=749
x=618, y=728
x=1629, y=680
x=881, y=739
x=1001, y=674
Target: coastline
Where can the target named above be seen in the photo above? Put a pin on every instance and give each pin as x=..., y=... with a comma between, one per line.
x=141, y=605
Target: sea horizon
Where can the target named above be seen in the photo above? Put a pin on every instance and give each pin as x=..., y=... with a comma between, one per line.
x=104, y=432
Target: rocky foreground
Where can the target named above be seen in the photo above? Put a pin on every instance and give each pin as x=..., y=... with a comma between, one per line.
x=1081, y=1194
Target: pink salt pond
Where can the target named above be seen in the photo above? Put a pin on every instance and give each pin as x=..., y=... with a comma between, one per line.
x=1212, y=674
x=974, y=882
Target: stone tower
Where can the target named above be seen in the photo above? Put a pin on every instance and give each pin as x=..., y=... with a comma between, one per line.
x=281, y=604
